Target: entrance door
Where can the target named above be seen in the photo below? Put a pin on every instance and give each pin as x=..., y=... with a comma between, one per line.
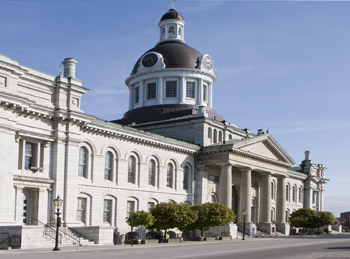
x=30, y=206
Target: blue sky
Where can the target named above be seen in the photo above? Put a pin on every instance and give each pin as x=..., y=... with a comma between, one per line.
x=279, y=64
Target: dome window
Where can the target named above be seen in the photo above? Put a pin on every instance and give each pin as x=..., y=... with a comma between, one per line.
x=171, y=89
x=171, y=31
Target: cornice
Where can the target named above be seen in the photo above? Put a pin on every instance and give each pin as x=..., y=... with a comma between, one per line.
x=187, y=70
x=133, y=135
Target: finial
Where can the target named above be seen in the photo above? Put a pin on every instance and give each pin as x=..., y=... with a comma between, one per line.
x=172, y=6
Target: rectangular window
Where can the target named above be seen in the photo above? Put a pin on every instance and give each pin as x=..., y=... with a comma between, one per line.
x=130, y=208
x=107, y=211
x=29, y=156
x=151, y=205
x=151, y=91
x=137, y=94
x=81, y=211
x=214, y=178
x=205, y=93
x=190, y=89
x=171, y=89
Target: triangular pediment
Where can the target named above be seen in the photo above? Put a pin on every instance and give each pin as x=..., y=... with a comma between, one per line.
x=264, y=146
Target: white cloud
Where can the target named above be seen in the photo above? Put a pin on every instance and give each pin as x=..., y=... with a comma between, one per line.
x=314, y=126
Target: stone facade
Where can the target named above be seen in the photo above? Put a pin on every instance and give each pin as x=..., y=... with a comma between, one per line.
x=105, y=170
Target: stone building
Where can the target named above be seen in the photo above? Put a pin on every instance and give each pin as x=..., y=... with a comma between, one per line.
x=171, y=145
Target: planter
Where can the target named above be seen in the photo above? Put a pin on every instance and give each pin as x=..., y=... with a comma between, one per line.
x=174, y=240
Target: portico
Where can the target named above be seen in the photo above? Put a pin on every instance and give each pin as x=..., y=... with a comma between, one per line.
x=252, y=167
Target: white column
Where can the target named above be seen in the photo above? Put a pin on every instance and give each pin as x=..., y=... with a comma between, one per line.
x=245, y=194
x=281, y=200
x=200, y=92
x=182, y=89
x=130, y=98
x=226, y=185
x=142, y=91
x=266, y=199
x=160, y=90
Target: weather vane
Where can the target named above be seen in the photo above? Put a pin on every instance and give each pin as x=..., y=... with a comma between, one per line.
x=172, y=4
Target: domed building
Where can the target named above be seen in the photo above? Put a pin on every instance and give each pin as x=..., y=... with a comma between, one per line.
x=171, y=145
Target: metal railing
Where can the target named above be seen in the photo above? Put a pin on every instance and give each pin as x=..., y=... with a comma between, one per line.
x=7, y=240
x=67, y=231
x=48, y=231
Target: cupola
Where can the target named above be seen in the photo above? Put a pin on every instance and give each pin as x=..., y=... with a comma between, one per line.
x=172, y=26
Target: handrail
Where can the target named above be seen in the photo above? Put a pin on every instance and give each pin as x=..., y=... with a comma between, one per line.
x=48, y=230
x=65, y=230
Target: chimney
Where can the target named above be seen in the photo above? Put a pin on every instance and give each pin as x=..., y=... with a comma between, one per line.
x=307, y=155
x=69, y=67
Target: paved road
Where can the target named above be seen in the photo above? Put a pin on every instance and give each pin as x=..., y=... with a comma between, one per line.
x=281, y=248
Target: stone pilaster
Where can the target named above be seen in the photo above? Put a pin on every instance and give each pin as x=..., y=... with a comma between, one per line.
x=201, y=185
x=282, y=225
x=226, y=185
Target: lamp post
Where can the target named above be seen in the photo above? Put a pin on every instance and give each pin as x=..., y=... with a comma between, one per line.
x=58, y=203
x=318, y=223
x=244, y=213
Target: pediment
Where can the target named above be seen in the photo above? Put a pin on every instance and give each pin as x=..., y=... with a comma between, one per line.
x=264, y=147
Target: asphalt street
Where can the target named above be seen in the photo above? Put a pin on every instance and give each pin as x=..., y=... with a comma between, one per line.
x=289, y=247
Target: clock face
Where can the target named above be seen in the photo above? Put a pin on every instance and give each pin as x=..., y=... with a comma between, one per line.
x=208, y=62
x=149, y=60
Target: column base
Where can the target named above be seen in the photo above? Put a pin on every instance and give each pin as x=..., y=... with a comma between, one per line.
x=250, y=229
x=284, y=228
x=268, y=228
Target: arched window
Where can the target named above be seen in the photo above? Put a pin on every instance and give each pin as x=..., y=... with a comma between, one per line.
x=273, y=197
x=294, y=194
x=83, y=162
x=152, y=173
x=131, y=169
x=215, y=136
x=213, y=198
x=273, y=215
x=171, y=31
x=287, y=192
x=287, y=215
x=186, y=179
x=210, y=134
x=170, y=176
x=220, y=136
x=109, y=166
x=300, y=193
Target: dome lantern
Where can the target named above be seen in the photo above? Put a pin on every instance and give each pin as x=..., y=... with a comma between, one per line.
x=172, y=26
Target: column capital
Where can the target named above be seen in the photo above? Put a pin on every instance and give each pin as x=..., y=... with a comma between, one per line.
x=224, y=164
x=245, y=169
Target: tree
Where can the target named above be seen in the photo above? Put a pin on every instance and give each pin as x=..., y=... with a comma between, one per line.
x=211, y=215
x=325, y=218
x=308, y=218
x=140, y=218
x=172, y=215
x=302, y=218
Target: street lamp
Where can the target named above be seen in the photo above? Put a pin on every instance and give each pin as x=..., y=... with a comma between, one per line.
x=58, y=203
x=244, y=213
